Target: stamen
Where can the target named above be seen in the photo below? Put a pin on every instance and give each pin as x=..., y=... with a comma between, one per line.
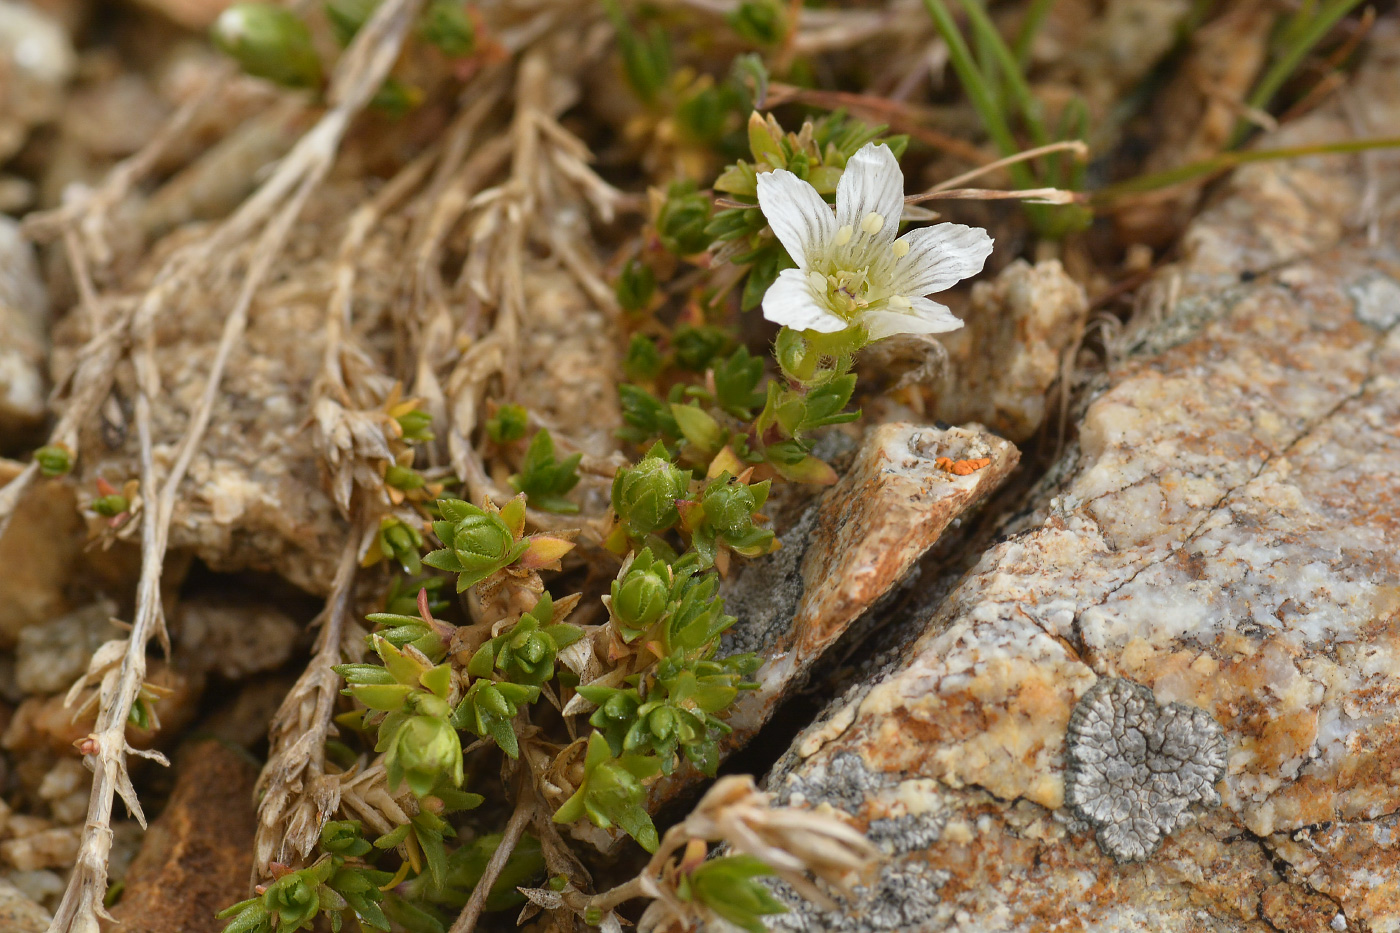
x=900, y=249
x=843, y=236
x=871, y=223
x=817, y=281
x=900, y=302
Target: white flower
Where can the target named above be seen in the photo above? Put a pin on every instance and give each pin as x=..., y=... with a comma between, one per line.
x=851, y=271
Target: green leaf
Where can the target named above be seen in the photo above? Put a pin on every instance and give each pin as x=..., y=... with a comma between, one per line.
x=543, y=479
x=698, y=427
x=729, y=886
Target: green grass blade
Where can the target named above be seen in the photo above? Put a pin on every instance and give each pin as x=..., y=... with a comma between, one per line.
x=1300, y=44
x=1036, y=12
x=983, y=100
x=1229, y=160
x=986, y=33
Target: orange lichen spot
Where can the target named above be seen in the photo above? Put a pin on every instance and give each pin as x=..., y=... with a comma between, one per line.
x=961, y=467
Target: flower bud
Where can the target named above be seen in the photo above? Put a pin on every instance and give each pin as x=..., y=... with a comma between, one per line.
x=481, y=541
x=640, y=599
x=682, y=220
x=268, y=41
x=54, y=460
x=635, y=286
x=425, y=749
x=729, y=507
x=644, y=497
x=795, y=356
x=111, y=506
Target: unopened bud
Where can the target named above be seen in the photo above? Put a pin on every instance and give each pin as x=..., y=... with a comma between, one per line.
x=270, y=42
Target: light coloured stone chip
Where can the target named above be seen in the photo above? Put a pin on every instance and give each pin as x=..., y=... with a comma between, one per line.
x=1135, y=769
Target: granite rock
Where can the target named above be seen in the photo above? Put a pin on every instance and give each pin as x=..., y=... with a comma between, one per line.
x=1219, y=535
x=1008, y=354
x=51, y=656
x=851, y=548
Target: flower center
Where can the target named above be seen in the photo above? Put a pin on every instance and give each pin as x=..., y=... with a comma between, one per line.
x=847, y=291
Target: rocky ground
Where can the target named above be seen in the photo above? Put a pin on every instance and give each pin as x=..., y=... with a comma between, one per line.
x=1219, y=534
x=1139, y=674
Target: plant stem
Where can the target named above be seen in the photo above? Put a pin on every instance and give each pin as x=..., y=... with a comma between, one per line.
x=610, y=898
x=1074, y=145
x=466, y=921
x=1228, y=160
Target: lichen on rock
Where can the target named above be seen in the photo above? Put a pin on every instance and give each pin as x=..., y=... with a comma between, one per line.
x=1135, y=769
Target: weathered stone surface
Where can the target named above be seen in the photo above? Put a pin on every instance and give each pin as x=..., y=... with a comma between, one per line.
x=1222, y=535
x=852, y=547
x=36, y=61
x=1008, y=353
x=51, y=656
x=196, y=857
x=24, y=308
x=37, y=551
x=234, y=640
x=18, y=914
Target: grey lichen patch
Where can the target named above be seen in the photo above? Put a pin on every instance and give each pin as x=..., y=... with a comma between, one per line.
x=904, y=898
x=843, y=781
x=912, y=832
x=1377, y=300
x=1135, y=769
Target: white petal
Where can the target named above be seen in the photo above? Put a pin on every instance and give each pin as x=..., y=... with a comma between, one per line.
x=940, y=256
x=924, y=317
x=871, y=184
x=800, y=219
x=789, y=301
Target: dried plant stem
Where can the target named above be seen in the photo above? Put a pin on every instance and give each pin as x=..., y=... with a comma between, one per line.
x=106, y=748
x=90, y=382
x=296, y=761
x=903, y=117
x=359, y=74
x=1033, y=195
x=524, y=809
x=1070, y=145
x=89, y=212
